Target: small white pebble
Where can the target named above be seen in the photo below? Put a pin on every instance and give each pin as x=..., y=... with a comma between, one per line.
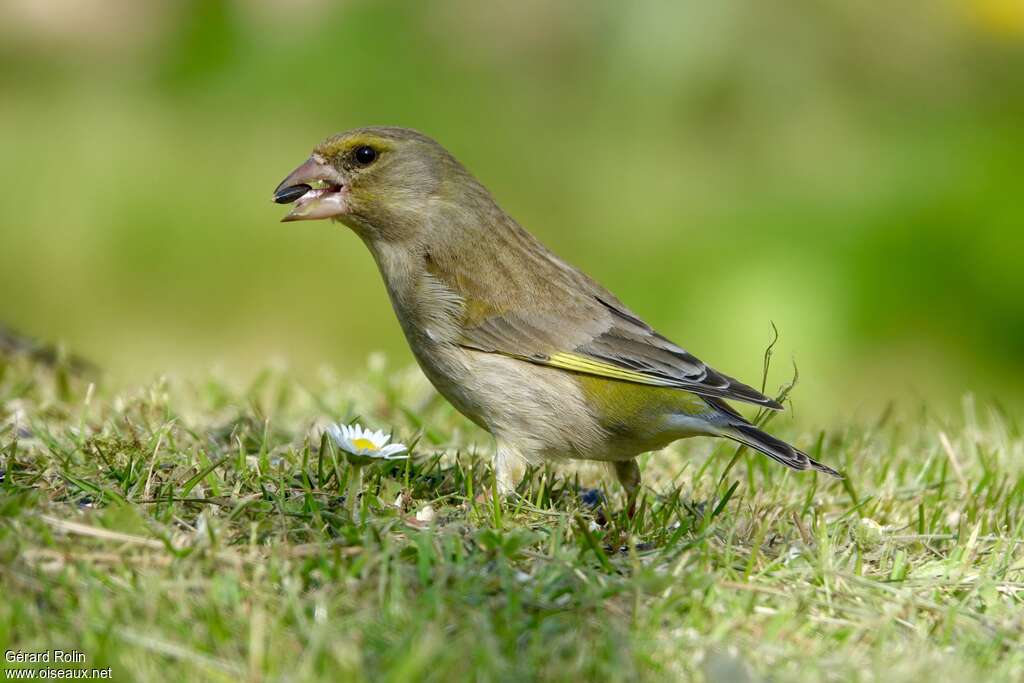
x=426, y=514
x=869, y=533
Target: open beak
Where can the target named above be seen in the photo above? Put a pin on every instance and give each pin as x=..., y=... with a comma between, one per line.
x=317, y=190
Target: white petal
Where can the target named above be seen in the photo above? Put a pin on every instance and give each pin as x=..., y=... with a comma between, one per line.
x=337, y=435
x=392, y=450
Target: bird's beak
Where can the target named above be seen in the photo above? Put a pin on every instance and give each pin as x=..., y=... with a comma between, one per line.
x=317, y=190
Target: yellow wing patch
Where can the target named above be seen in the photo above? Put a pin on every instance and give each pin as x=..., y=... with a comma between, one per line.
x=590, y=366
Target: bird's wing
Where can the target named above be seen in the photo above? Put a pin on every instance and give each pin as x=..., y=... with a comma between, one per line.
x=520, y=300
x=597, y=335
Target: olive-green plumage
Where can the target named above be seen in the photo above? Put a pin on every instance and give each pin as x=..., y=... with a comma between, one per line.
x=525, y=345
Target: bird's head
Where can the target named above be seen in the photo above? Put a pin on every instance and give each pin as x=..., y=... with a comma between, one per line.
x=375, y=180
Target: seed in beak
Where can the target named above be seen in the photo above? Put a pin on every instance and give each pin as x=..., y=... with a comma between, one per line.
x=289, y=194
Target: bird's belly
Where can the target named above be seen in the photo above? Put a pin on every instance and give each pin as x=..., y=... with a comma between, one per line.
x=538, y=410
x=448, y=369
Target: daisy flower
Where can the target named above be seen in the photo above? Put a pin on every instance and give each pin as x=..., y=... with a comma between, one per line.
x=362, y=447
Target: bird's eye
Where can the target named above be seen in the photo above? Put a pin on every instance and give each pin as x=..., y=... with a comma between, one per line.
x=365, y=155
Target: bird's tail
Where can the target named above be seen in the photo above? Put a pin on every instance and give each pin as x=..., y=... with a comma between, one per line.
x=749, y=435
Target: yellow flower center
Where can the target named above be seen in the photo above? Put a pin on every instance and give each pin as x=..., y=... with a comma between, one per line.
x=364, y=443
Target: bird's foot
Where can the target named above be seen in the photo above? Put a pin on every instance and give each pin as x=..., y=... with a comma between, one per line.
x=591, y=498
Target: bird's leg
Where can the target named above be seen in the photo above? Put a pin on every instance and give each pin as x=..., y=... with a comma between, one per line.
x=508, y=469
x=628, y=474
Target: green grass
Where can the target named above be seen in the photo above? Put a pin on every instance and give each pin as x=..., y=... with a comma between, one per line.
x=196, y=531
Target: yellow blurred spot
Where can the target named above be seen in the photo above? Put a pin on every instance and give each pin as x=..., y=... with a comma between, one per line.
x=1001, y=17
x=364, y=443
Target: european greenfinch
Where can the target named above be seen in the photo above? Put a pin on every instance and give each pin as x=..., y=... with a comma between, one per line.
x=548, y=361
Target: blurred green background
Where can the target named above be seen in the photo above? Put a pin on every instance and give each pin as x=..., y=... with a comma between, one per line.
x=851, y=171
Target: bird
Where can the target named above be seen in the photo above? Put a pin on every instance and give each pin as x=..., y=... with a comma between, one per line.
x=525, y=345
